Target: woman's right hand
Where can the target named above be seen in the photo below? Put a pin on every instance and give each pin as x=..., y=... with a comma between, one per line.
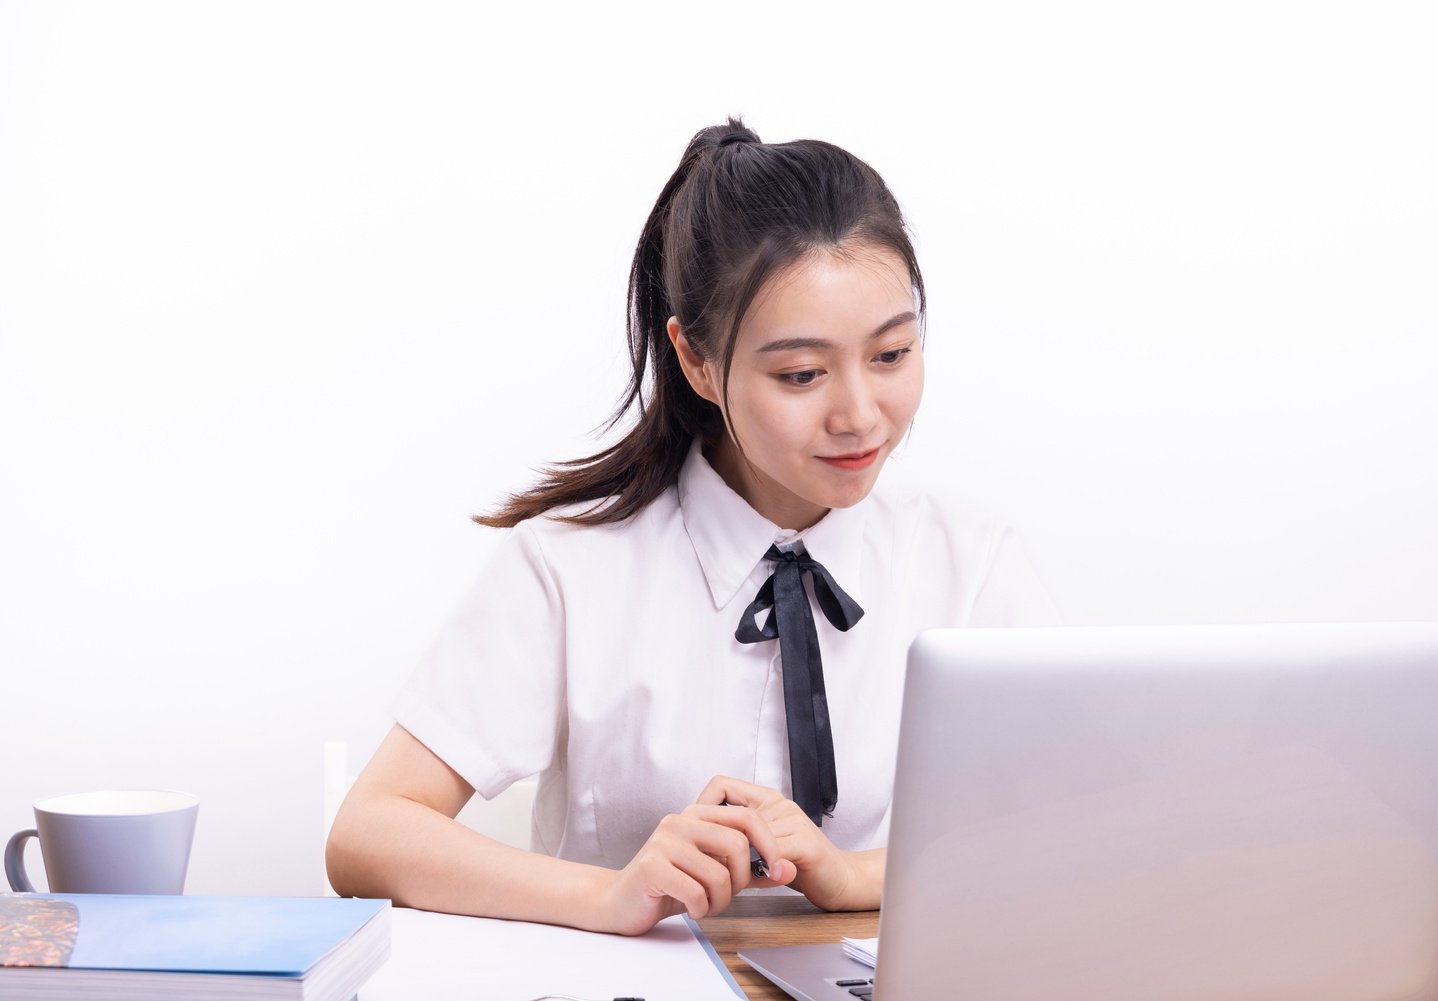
x=694, y=861
x=395, y=837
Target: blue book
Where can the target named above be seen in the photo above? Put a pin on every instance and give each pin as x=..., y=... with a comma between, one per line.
x=88, y=946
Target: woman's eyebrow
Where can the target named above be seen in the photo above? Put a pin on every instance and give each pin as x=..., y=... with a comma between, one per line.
x=799, y=343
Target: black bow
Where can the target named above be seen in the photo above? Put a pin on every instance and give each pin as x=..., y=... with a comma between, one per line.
x=806, y=709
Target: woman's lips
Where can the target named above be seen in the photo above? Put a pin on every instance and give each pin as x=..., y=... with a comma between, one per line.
x=854, y=460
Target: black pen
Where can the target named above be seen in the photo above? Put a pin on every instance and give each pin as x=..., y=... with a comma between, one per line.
x=757, y=866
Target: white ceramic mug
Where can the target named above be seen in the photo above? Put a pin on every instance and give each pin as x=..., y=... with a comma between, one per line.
x=117, y=841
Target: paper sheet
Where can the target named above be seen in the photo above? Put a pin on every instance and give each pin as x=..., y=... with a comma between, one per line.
x=865, y=950
x=441, y=957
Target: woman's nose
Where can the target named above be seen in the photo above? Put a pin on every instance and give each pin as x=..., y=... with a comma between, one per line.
x=854, y=408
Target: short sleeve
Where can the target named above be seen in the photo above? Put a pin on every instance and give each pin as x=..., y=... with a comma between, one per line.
x=1012, y=593
x=488, y=697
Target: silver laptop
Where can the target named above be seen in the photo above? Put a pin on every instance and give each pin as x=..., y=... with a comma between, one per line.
x=1157, y=814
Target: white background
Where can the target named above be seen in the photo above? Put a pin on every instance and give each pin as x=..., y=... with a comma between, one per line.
x=288, y=291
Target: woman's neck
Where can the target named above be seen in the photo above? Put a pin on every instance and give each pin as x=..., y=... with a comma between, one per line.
x=763, y=493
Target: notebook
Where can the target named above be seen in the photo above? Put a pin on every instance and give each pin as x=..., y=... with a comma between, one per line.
x=1205, y=813
x=82, y=947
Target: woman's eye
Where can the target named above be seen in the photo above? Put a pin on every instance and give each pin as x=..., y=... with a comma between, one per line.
x=892, y=357
x=800, y=378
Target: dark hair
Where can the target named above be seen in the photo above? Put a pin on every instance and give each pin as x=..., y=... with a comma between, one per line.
x=736, y=212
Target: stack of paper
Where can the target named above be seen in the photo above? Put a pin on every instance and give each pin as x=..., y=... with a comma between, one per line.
x=80, y=947
x=865, y=950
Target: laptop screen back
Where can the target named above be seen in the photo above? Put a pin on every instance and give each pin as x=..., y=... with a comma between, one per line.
x=1154, y=814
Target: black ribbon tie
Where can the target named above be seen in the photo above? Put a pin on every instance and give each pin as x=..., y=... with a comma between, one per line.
x=806, y=708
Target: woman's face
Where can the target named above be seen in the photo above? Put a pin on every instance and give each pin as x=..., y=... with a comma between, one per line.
x=827, y=374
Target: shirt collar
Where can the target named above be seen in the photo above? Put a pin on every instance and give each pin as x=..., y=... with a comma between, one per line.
x=730, y=538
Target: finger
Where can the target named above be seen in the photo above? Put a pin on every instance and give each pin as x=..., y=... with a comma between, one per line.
x=726, y=789
x=714, y=792
x=729, y=844
x=664, y=879
x=799, y=840
x=724, y=851
x=711, y=874
x=748, y=822
x=790, y=824
x=781, y=873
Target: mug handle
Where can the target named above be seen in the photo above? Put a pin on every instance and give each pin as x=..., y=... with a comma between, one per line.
x=15, y=861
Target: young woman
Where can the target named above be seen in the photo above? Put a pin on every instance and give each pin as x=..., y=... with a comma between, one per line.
x=696, y=637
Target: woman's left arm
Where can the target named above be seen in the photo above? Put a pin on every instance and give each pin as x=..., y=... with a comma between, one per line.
x=832, y=878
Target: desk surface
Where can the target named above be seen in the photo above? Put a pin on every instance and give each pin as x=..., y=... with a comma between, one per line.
x=755, y=922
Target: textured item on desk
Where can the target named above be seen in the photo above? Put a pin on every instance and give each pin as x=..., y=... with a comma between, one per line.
x=37, y=931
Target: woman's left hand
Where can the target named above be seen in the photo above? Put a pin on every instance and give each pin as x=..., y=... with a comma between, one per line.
x=830, y=877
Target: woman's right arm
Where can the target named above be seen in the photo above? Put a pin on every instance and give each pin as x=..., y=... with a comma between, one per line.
x=395, y=836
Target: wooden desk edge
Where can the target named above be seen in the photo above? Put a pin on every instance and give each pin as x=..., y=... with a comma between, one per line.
x=753, y=922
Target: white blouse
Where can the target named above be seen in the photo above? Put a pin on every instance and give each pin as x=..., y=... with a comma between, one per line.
x=603, y=658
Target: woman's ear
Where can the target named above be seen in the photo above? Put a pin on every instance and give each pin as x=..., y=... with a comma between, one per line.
x=701, y=375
